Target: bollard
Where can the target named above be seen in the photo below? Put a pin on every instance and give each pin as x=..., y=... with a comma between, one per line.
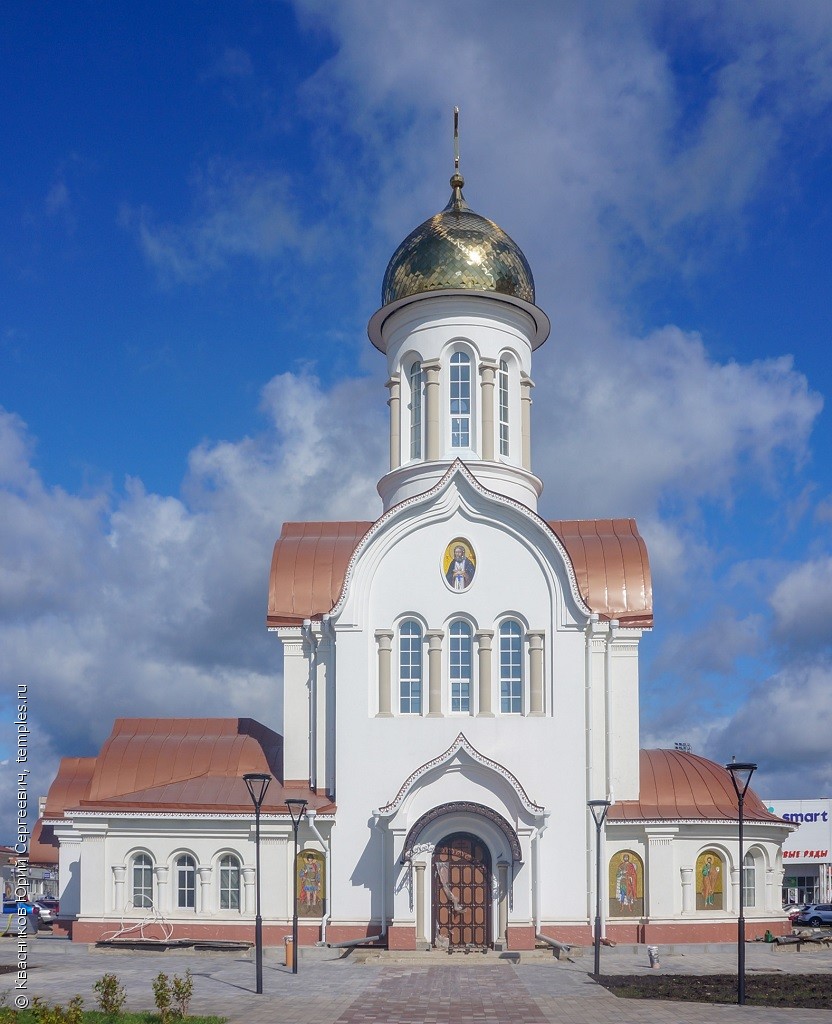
x=288, y=950
x=653, y=953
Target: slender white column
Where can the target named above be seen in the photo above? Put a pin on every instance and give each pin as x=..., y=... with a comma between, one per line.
x=488, y=373
x=161, y=901
x=420, y=903
x=502, y=909
x=688, y=904
x=536, y=672
x=248, y=891
x=204, y=874
x=435, y=637
x=526, y=385
x=484, y=638
x=735, y=890
x=384, y=639
x=119, y=874
x=432, y=428
x=394, y=401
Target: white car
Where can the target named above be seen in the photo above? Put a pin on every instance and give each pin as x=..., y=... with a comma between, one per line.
x=46, y=915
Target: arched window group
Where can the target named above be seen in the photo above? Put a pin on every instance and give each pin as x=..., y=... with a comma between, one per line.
x=144, y=892
x=461, y=410
x=461, y=668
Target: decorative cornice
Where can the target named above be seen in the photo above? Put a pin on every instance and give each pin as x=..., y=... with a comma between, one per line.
x=190, y=815
x=458, y=466
x=612, y=822
x=460, y=743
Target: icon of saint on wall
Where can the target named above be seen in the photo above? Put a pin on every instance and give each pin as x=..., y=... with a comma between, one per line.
x=709, y=881
x=626, y=885
x=459, y=564
x=310, y=869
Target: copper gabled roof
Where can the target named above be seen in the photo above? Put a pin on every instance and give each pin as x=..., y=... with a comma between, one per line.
x=310, y=562
x=678, y=786
x=178, y=764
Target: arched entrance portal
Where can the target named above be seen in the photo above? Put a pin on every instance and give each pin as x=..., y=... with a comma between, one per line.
x=462, y=892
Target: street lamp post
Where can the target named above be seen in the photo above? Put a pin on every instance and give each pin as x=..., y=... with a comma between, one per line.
x=296, y=809
x=599, y=810
x=257, y=783
x=741, y=776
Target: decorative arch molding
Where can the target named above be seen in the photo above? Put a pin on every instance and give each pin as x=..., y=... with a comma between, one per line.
x=458, y=467
x=460, y=743
x=462, y=807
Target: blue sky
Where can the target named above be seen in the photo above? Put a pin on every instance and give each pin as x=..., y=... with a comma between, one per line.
x=197, y=205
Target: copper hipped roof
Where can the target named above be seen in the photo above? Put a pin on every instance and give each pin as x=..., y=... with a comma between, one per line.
x=178, y=764
x=43, y=846
x=677, y=786
x=308, y=568
x=610, y=561
x=310, y=562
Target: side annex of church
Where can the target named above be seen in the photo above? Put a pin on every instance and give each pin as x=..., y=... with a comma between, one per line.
x=460, y=678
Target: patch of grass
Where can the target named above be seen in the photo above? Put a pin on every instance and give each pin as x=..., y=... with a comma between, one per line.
x=798, y=991
x=96, y=1017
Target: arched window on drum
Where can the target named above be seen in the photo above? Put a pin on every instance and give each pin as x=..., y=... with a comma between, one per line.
x=460, y=400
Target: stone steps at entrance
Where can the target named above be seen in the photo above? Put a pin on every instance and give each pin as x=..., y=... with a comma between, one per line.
x=435, y=957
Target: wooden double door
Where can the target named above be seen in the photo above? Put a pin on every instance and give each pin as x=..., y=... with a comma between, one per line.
x=462, y=892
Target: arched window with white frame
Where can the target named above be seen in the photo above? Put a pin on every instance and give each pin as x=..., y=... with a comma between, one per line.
x=460, y=662
x=460, y=400
x=503, y=405
x=749, y=880
x=229, y=882
x=415, y=383
x=141, y=882
x=511, y=667
x=186, y=882
x=410, y=668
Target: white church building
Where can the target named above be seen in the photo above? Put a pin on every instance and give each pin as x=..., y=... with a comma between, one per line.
x=460, y=678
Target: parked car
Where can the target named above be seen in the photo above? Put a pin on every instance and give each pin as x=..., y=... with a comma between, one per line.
x=815, y=914
x=47, y=914
x=11, y=909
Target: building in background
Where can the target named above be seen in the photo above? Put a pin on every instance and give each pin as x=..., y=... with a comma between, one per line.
x=807, y=852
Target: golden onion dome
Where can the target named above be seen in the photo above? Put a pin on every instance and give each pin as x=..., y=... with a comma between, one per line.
x=457, y=248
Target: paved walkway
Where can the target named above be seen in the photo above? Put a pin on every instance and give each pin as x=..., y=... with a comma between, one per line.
x=361, y=988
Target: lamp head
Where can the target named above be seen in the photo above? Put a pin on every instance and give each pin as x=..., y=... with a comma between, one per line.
x=296, y=809
x=599, y=810
x=741, y=772
x=257, y=783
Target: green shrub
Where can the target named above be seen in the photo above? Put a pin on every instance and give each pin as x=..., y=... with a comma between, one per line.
x=183, y=990
x=73, y=1013
x=110, y=994
x=163, y=996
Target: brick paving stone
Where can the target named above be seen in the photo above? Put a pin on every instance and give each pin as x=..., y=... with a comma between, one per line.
x=343, y=990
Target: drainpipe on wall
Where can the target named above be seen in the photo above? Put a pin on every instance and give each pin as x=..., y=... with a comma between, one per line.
x=590, y=767
x=537, y=835
x=310, y=821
